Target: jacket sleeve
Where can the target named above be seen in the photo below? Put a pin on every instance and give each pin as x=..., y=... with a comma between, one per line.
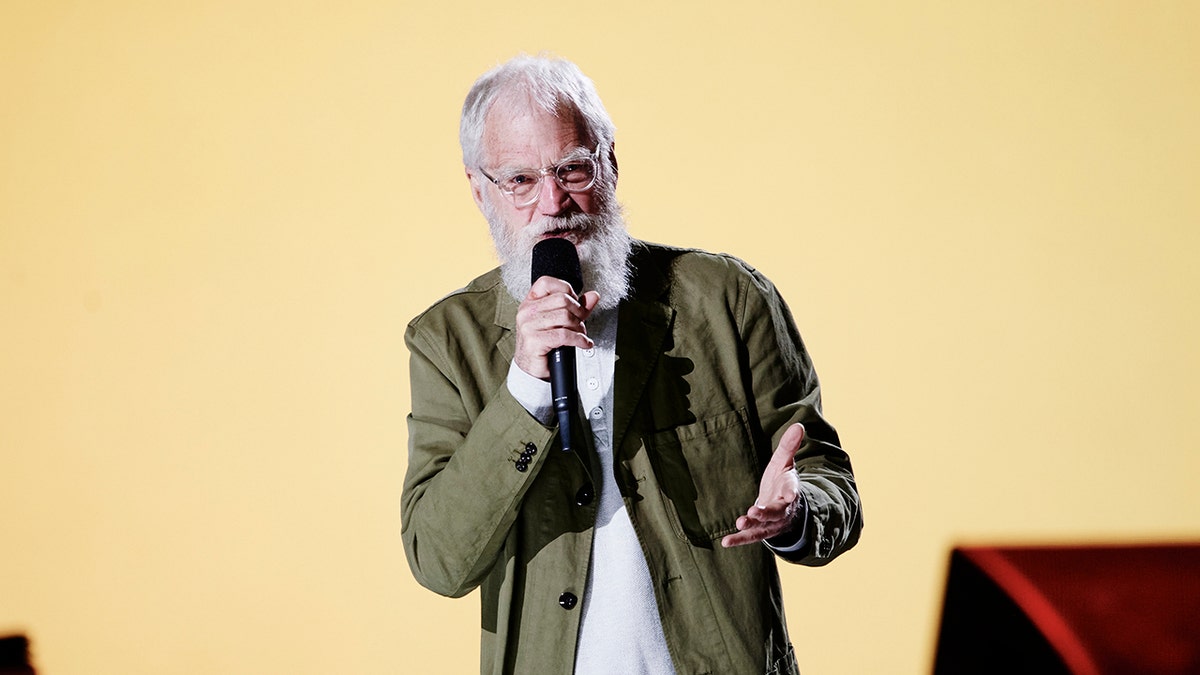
x=465, y=478
x=785, y=390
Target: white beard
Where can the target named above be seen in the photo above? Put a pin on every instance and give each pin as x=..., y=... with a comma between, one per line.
x=601, y=239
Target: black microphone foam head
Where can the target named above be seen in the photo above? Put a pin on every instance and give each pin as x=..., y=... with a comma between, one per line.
x=556, y=257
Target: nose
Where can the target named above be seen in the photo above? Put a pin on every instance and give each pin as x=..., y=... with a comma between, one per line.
x=552, y=199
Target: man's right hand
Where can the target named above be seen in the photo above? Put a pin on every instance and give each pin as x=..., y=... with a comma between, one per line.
x=549, y=317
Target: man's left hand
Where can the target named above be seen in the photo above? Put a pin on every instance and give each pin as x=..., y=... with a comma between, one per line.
x=774, y=512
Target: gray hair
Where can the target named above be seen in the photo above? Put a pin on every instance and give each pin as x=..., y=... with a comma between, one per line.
x=556, y=85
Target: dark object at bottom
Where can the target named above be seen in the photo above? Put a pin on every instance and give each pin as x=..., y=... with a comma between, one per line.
x=1078, y=610
x=14, y=656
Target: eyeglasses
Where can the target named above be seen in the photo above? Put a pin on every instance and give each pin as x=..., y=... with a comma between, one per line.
x=573, y=174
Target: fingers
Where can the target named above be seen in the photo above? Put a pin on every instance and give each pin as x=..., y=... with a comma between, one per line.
x=549, y=294
x=551, y=317
x=763, y=522
x=752, y=536
x=551, y=305
x=751, y=530
x=549, y=286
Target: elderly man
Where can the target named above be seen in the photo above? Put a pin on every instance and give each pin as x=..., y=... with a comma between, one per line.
x=702, y=456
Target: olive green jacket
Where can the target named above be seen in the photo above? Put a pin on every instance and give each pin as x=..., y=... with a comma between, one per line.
x=710, y=370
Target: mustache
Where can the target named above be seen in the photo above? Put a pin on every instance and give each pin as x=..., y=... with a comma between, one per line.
x=575, y=222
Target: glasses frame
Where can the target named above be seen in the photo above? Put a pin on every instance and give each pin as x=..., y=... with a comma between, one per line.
x=552, y=170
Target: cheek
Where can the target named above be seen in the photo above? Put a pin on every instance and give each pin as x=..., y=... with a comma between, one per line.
x=587, y=202
x=517, y=220
x=512, y=218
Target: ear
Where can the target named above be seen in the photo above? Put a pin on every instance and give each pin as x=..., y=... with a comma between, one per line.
x=476, y=186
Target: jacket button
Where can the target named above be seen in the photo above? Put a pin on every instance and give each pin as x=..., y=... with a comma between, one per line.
x=567, y=600
x=522, y=465
x=531, y=448
x=584, y=496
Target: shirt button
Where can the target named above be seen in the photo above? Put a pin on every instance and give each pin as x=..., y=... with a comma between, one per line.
x=567, y=600
x=593, y=383
x=589, y=352
x=584, y=496
x=597, y=413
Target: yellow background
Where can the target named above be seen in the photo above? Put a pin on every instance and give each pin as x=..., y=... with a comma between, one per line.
x=216, y=219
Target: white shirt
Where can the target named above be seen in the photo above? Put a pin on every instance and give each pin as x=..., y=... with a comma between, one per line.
x=620, y=630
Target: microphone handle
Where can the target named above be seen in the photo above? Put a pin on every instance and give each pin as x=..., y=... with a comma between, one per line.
x=562, y=390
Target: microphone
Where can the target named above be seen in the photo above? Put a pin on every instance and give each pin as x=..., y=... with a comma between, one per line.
x=558, y=258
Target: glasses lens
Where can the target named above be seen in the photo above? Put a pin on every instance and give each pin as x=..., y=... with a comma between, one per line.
x=519, y=185
x=576, y=175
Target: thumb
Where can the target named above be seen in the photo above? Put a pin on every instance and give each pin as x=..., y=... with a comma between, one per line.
x=589, y=300
x=789, y=443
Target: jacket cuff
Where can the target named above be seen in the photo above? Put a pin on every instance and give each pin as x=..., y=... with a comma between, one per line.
x=796, y=538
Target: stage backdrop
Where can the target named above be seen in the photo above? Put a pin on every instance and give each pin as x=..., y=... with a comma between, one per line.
x=216, y=218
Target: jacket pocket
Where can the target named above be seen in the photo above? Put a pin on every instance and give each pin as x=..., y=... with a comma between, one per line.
x=708, y=473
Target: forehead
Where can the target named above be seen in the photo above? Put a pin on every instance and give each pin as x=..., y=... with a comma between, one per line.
x=522, y=133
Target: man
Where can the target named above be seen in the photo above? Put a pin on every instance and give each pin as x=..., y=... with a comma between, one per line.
x=644, y=550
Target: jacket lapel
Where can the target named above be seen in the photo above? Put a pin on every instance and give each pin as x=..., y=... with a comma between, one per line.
x=506, y=318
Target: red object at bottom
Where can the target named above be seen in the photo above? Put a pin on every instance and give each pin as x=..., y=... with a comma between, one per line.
x=1080, y=610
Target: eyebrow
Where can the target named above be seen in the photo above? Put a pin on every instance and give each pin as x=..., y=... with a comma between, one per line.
x=579, y=152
